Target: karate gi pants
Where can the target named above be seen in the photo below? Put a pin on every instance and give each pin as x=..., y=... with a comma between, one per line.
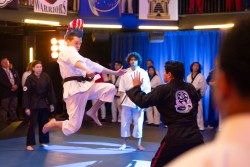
x=76, y=104
x=115, y=106
x=129, y=114
x=40, y=116
x=200, y=120
x=153, y=115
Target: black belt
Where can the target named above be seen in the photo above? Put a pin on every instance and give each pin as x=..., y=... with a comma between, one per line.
x=77, y=78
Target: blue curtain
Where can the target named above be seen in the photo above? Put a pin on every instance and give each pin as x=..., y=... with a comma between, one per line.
x=184, y=46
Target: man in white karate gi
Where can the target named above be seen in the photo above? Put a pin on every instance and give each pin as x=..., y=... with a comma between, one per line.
x=79, y=77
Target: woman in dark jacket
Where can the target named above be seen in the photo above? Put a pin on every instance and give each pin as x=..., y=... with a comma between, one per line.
x=38, y=100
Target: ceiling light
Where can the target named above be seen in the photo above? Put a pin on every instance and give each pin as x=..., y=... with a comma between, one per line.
x=221, y=26
x=102, y=26
x=158, y=27
x=53, y=23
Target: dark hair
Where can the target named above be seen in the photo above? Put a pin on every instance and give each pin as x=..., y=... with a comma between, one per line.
x=35, y=62
x=176, y=68
x=191, y=66
x=118, y=62
x=136, y=55
x=153, y=69
x=150, y=61
x=234, y=56
x=71, y=34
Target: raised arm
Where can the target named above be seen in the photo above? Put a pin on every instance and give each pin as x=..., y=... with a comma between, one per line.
x=119, y=72
x=88, y=73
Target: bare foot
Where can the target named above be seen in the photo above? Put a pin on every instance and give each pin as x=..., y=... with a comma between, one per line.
x=139, y=147
x=49, y=125
x=94, y=117
x=29, y=148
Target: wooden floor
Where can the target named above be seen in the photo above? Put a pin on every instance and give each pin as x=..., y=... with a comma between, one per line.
x=91, y=146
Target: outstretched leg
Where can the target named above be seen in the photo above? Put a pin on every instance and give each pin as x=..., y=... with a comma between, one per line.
x=93, y=110
x=52, y=124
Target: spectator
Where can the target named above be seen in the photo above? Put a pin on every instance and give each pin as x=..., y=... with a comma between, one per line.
x=38, y=100
x=9, y=83
x=116, y=103
x=26, y=73
x=153, y=115
x=129, y=109
x=199, y=82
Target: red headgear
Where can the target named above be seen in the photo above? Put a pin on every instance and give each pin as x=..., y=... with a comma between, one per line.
x=75, y=26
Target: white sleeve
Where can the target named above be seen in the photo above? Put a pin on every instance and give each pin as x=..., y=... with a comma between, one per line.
x=202, y=85
x=122, y=84
x=189, y=78
x=158, y=80
x=71, y=56
x=146, y=86
x=93, y=66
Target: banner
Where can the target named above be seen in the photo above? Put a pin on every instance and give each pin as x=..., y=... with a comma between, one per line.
x=58, y=7
x=99, y=8
x=158, y=9
x=9, y=4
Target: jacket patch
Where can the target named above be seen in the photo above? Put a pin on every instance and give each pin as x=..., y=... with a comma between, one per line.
x=25, y=88
x=183, y=102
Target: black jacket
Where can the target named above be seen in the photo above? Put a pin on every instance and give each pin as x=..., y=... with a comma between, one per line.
x=177, y=102
x=5, y=85
x=38, y=92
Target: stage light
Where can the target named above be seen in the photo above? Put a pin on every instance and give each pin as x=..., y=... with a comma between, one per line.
x=61, y=42
x=54, y=55
x=54, y=48
x=31, y=58
x=45, y=22
x=158, y=27
x=61, y=47
x=115, y=26
x=57, y=45
x=53, y=41
x=217, y=26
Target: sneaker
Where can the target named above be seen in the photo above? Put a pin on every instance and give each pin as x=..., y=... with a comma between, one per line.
x=29, y=148
x=123, y=147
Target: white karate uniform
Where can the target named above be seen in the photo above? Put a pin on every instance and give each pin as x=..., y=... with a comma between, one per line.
x=115, y=104
x=76, y=94
x=129, y=109
x=199, y=84
x=153, y=115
